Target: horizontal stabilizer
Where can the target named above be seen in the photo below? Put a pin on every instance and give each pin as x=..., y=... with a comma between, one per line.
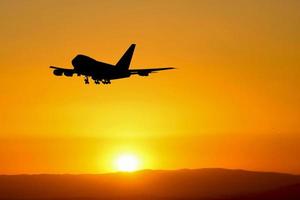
x=146, y=72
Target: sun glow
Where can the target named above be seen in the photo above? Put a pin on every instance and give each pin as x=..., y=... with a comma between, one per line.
x=127, y=163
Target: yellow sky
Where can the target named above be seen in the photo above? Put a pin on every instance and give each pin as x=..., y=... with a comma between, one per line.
x=233, y=101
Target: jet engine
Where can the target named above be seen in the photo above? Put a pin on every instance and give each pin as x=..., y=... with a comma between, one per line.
x=143, y=73
x=68, y=73
x=58, y=72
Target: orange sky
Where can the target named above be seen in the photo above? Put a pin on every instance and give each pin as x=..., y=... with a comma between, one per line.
x=233, y=102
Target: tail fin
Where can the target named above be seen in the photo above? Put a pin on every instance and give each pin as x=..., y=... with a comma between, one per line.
x=124, y=62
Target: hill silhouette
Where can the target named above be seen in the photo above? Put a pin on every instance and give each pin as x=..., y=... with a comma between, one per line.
x=199, y=184
x=291, y=192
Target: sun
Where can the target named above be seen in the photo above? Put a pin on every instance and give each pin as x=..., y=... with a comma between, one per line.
x=127, y=163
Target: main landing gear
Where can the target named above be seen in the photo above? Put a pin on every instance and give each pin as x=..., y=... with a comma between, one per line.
x=106, y=81
x=86, y=80
x=97, y=82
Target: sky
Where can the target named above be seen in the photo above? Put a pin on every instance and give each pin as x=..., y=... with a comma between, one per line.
x=232, y=102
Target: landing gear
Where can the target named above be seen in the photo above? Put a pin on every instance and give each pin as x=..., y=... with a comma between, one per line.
x=106, y=81
x=97, y=81
x=86, y=80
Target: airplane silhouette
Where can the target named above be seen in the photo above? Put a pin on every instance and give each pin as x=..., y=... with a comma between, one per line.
x=103, y=72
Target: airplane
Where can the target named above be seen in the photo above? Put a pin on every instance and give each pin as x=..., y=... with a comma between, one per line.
x=104, y=72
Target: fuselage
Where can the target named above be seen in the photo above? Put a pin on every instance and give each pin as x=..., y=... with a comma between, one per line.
x=84, y=65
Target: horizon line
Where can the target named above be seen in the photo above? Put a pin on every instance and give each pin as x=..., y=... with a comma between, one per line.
x=150, y=170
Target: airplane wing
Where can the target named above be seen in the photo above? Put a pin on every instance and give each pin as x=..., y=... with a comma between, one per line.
x=58, y=71
x=60, y=68
x=146, y=72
